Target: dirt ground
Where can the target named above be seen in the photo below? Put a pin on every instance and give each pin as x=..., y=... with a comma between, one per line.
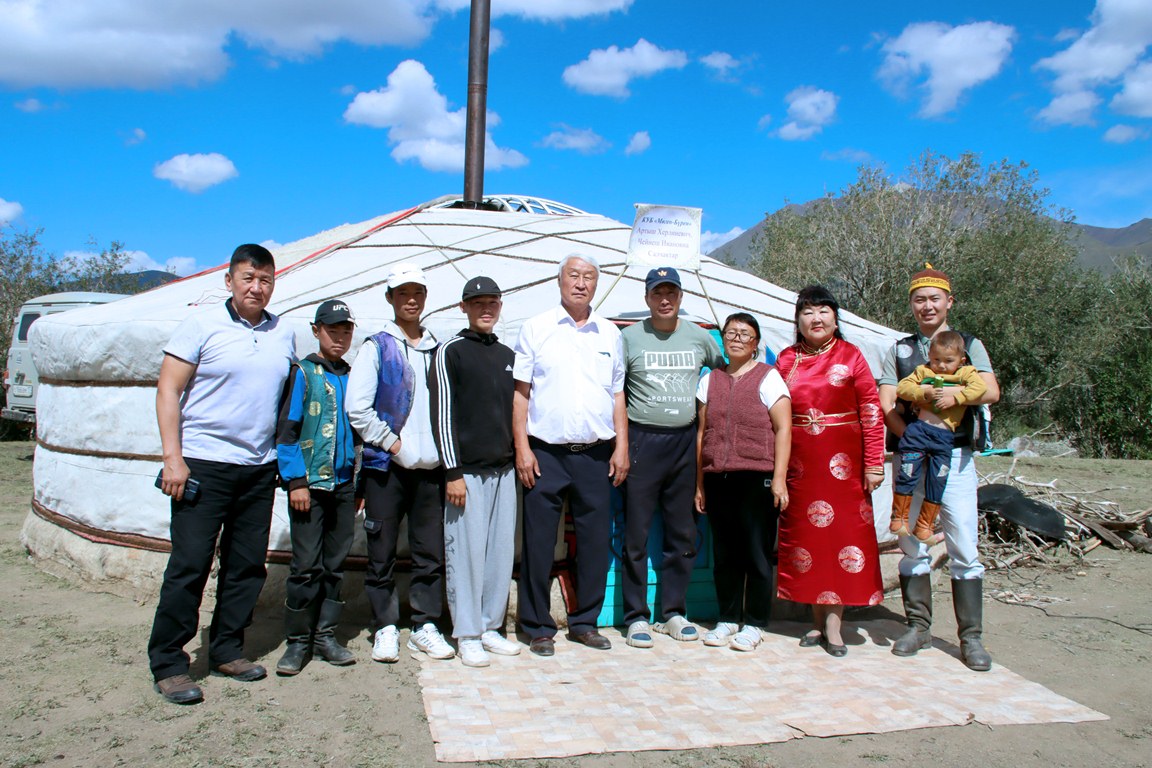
x=75, y=688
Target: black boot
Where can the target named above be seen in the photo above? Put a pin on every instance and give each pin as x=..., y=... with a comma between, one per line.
x=968, y=597
x=917, y=594
x=324, y=643
x=298, y=631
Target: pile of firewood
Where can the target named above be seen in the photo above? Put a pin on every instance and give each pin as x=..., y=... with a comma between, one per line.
x=1089, y=521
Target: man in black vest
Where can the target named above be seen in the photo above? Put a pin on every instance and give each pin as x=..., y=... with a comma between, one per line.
x=930, y=294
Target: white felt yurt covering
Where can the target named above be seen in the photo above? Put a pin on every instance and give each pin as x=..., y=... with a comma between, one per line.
x=98, y=448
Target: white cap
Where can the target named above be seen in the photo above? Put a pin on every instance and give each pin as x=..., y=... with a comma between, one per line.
x=406, y=272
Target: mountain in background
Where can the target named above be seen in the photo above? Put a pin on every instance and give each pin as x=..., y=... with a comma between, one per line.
x=1098, y=246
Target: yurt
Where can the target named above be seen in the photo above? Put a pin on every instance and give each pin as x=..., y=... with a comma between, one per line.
x=96, y=513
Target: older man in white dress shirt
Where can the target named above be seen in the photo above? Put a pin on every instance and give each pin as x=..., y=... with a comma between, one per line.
x=570, y=427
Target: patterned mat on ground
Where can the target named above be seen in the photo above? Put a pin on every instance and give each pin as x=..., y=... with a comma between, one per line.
x=684, y=696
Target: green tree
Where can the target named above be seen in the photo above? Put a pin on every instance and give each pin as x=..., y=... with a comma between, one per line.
x=1107, y=408
x=1009, y=254
x=27, y=271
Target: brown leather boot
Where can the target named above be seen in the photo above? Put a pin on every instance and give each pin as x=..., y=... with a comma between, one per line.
x=900, y=505
x=929, y=511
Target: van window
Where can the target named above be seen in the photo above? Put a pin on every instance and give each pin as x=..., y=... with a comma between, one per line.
x=26, y=321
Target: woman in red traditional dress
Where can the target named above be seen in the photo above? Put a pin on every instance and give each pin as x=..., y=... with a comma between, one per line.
x=828, y=555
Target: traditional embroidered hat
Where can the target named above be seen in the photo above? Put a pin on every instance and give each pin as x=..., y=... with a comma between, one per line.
x=930, y=278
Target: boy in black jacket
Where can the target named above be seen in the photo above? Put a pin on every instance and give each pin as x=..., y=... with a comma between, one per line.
x=471, y=387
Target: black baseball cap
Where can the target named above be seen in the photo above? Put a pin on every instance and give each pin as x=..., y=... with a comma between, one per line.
x=480, y=286
x=659, y=276
x=332, y=312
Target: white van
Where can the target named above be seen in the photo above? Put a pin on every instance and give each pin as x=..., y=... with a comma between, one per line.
x=20, y=378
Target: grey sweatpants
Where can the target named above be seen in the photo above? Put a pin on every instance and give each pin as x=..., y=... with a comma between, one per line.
x=479, y=545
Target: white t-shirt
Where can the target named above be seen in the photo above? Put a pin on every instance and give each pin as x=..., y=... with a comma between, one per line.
x=229, y=410
x=772, y=388
x=575, y=374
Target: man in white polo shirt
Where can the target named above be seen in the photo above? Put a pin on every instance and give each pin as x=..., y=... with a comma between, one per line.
x=216, y=405
x=570, y=429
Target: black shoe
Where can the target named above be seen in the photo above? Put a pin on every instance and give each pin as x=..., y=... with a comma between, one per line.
x=811, y=641
x=839, y=651
x=592, y=639
x=296, y=655
x=543, y=646
x=327, y=648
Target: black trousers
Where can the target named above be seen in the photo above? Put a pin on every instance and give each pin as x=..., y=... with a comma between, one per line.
x=662, y=473
x=234, y=510
x=321, y=540
x=388, y=498
x=744, y=517
x=582, y=479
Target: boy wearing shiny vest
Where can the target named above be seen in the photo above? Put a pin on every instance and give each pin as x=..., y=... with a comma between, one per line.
x=316, y=452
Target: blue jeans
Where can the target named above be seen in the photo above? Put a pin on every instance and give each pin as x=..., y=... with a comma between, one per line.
x=959, y=519
x=926, y=450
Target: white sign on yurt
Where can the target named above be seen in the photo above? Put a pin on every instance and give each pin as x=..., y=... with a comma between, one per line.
x=665, y=236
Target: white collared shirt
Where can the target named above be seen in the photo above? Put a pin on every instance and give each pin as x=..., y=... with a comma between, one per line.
x=575, y=373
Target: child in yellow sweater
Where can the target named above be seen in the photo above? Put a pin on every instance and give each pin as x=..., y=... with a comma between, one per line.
x=942, y=388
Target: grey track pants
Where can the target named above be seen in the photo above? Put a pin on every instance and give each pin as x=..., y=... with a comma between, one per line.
x=479, y=545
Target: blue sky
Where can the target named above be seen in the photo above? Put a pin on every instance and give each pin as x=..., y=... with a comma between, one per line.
x=182, y=128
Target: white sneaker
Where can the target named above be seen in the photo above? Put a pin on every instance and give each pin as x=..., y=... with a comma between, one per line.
x=472, y=652
x=746, y=639
x=678, y=628
x=386, y=644
x=494, y=642
x=639, y=635
x=720, y=637
x=427, y=639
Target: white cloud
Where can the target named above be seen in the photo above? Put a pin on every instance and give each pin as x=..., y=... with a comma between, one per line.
x=583, y=140
x=140, y=261
x=1108, y=53
x=9, y=212
x=420, y=124
x=31, y=105
x=1123, y=134
x=764, y=122
x=1136, y=97
x=607, y=72
x=945, y=61
x=809, y=110
x=710, y=241
x=720, y=63
x=196, y=173
x=147, y=44
x=136, y=137
x=848, y=154
x=1121, y=30
x=1070, y=109
x=544, y=10
x=495, y=40
x=639, y=143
